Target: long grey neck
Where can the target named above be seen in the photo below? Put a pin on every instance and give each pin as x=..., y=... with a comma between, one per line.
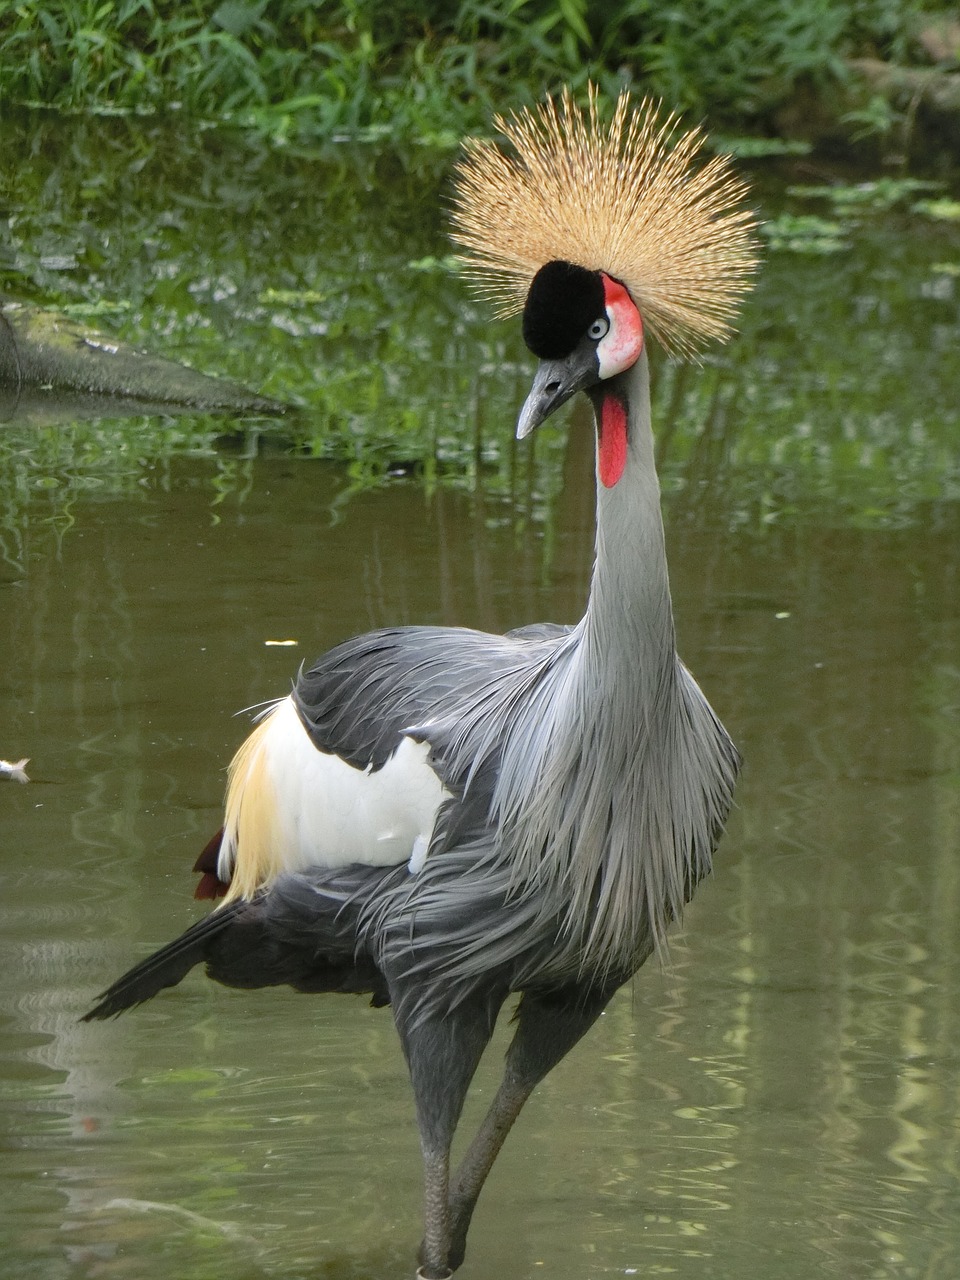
x=615, y=774
x=627, y=630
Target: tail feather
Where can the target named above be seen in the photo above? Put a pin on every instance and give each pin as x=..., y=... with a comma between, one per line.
x=302, y=934
x=164, y=968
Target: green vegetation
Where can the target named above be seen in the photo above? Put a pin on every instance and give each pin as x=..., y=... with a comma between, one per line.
x=851, y=204
x=319, y=274
x=321, y=278
x=423, y=69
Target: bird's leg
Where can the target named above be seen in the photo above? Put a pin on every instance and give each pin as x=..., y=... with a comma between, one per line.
x=442, y=1051
x=435, y=1247
x=548, y=1026
x=479, y=1158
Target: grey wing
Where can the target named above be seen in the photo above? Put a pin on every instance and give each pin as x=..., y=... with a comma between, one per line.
x=454, y=689
x=435, y=684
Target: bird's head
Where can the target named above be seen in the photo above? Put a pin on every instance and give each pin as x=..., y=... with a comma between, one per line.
x=585, y=227
x=585, y=328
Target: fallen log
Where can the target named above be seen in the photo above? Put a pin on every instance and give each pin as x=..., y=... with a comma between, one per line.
x=45, y=355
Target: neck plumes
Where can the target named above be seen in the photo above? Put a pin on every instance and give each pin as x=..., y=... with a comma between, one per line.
x=621, y=759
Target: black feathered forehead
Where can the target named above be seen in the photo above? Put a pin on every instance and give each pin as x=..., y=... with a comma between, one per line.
x=563, y=301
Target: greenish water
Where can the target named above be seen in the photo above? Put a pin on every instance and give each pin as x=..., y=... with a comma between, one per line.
x=781, y=1100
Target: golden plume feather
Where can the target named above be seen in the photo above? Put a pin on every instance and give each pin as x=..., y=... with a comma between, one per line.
x=626, y=199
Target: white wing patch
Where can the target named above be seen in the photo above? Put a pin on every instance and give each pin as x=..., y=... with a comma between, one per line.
x=290, y=806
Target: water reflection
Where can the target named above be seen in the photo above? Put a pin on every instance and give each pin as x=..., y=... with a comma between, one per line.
x=780, y=1101
x=302, y=275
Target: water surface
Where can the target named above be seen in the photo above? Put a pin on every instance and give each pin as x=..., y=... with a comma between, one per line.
x=781, y=1099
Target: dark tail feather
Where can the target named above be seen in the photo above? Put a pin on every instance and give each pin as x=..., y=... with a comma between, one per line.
x=165, y=968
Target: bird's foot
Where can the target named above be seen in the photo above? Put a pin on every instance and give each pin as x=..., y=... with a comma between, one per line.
x=427, y=1270
x=460, y=1221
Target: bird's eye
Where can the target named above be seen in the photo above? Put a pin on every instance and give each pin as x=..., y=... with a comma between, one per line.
x=598, y=329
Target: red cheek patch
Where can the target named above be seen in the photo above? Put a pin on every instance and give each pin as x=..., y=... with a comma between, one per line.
x=612, y=449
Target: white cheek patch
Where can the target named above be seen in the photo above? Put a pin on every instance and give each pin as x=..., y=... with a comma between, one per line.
x=623, y=341
x=621, y=346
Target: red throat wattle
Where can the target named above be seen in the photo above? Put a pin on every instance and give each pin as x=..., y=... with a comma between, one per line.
x=612, y=445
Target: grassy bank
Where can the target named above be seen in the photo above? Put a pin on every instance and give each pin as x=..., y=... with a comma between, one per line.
x=424, y=69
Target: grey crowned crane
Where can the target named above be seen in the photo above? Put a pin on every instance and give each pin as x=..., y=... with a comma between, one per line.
x=439, y=817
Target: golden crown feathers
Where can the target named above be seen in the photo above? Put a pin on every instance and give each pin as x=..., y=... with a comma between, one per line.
x=628, y=198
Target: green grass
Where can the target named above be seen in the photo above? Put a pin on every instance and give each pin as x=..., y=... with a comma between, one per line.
x=423, y=69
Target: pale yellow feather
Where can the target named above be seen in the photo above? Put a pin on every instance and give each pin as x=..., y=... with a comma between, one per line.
x=628, y=198
x=251, y=821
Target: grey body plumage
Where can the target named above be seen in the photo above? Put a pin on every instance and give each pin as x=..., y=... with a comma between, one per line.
x=575, y=780
x=591, y=779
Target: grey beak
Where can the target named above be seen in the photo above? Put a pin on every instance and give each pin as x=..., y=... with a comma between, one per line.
x=555, y=382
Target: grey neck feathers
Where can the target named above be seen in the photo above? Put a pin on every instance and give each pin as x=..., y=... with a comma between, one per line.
x=616, y=775
x=628, y=632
